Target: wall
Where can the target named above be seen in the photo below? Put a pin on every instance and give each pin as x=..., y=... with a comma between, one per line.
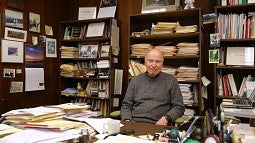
x=50, y=15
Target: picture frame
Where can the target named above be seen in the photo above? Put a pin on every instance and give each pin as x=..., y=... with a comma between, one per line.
x=51, y=47
x=87, y=13
x=18, y=4
x=105, y=51
x=14, y=18
x=95, y=29
x=89, y=51
x=34, y=22
x=12, y=51
x=15, y=34
x=10, y=73
x=150, y=6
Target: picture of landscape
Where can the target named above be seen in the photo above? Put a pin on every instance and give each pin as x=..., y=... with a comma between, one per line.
x=34, y=56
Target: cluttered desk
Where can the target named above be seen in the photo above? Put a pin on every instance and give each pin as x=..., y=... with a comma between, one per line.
x=75, y=124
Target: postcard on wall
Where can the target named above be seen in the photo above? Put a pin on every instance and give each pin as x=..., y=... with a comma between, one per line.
x=214, y=56
x=9, y=73
x=87, y=13
x=215, y=40
x=88, y=51
x=16, y=87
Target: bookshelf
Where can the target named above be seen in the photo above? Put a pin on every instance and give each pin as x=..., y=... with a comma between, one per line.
x=236, y=28
x=144, y=33
x=88, y=63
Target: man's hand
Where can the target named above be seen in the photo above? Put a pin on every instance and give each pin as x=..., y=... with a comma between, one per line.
x=162, y=121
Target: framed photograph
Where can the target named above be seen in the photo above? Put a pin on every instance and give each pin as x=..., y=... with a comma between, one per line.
x=9, y=73
x=150, y=6
x=51, y=47
x=87, y=13
x=88, y=51
x=214, y=56
x=14, y=18
x=19, y=4
x=215, y=40
x=104, y=51
x=96, y=29
x=12, y=51
x=34, y=22
x=15, y=34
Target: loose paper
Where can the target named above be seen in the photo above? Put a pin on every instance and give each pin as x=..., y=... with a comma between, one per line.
x=34, y=79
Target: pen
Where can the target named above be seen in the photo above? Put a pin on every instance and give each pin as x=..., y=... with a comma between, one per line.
x=227, y=136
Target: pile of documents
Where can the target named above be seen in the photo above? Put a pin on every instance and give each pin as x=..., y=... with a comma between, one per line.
x=187, y=73
x=187, y=94
x=69, y=52
x=186, y=29
x=139, y=50
x=36, y=114
x=185, y=49
x=67, y=70
x=167, y=50
x=169, y=70
x=163, y=28
x=7, y=130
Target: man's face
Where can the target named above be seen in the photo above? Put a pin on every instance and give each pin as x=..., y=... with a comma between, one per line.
x=154, y=63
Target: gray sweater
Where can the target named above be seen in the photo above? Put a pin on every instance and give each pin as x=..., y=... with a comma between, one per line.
x=148, y=99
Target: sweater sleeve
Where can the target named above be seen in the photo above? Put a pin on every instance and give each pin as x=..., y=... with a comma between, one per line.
x=127, y=104
x=178, y=108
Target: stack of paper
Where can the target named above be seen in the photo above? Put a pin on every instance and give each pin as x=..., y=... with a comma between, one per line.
x=69, y=52
x=186, y=29
x=140, y=50
x=187, y=94
x=185, y=49
x=169, y=70
x=7, y=130
x=186, y=73
x=67, y=70
x=32, y=115
x=163, y=28
x=167, y=50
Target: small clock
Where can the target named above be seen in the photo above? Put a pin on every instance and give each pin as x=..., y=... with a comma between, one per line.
x=212, y=139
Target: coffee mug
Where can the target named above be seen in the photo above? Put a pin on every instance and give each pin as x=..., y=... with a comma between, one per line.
x=112, y=126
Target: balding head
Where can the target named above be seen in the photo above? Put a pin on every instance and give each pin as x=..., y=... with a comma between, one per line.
x=154, y=62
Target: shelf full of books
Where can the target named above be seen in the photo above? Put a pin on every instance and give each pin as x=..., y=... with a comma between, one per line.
x=179, y=39
x=88, y=60
x=234, y=71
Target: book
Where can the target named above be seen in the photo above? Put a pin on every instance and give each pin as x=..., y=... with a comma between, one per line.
x=232, y=84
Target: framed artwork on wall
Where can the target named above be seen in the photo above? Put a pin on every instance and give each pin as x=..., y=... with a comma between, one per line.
x=19, y=4
x=51, y=47
x=12, y=51
x=34, y=22
x=14, y=18
x=150, y=6
x=15, y=34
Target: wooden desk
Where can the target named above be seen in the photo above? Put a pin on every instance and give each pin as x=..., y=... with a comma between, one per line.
x=143, y=128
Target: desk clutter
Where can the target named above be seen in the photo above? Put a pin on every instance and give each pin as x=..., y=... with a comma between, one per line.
x=75, y=123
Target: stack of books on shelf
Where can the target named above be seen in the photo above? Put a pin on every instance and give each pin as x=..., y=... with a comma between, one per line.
x=136, y=68
x=169, y=70
x=69, y=52
x=236, y=25
x=163, y=28
x=187, y=73
x=185, y=49
x=167, y=50
x=187, y=94
x=139, y=50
